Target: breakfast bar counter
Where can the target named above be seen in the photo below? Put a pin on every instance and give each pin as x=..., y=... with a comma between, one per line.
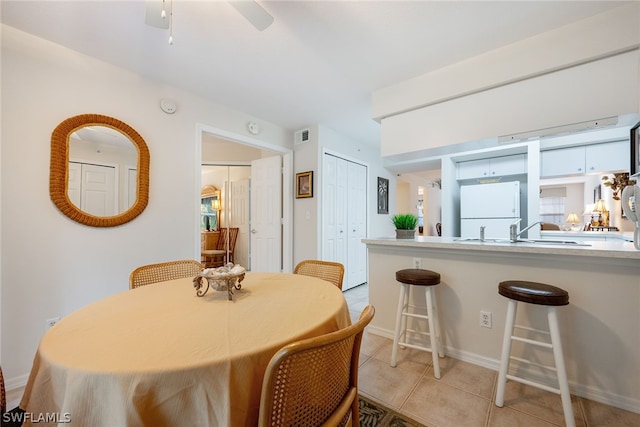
x=600, y=327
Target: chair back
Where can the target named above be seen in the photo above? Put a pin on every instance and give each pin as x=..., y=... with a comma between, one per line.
x=315, y=381
x=330, y=271
x=161, y=272
x=3, y=394
x=232, y=232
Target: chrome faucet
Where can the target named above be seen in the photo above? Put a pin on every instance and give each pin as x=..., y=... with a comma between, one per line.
x=513, y=230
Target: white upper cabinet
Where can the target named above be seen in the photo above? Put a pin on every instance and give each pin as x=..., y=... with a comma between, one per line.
x=564, y=161
x=608, y=157
x=605, y=157
x=497, y=166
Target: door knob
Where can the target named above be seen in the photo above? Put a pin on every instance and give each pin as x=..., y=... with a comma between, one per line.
x=253, y=231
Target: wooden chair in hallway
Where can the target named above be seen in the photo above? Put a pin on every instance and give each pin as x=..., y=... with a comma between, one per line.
x=161, y=272
x=218, y=257
x=330, y=271
x=315, y=381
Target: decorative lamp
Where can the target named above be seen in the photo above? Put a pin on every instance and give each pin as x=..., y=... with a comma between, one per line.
x=603, y=213
x=573, y=220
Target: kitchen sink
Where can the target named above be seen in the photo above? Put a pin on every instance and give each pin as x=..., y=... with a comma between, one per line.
x=555, y=242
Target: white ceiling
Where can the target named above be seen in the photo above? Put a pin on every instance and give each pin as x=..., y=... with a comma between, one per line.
x=318, y=63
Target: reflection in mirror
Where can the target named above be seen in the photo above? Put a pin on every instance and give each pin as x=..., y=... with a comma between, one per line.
x=102, y=171
x=209, y=208
x=99, y=174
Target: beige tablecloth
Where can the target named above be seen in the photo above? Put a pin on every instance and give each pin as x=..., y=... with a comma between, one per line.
x=161, y=356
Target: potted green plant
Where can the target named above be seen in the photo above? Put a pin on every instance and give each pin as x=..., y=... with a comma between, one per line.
x=405, y=225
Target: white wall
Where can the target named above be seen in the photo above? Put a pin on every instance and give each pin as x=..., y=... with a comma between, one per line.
x=595, y=90
x=51, y=265
x=583, y=71
x=306, y=210
x=308, y=157
x=406, y=199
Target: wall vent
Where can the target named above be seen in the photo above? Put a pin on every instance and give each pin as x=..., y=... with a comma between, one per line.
x=301, y=136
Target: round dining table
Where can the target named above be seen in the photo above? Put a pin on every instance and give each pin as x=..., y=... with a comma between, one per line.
x=159, y=355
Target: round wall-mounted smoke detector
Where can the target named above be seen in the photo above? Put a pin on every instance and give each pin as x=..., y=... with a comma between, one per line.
x=253, y=128
x=168, y=106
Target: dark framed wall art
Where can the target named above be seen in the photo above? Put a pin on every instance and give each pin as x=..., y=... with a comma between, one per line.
x=304, y=185
x=383, y=195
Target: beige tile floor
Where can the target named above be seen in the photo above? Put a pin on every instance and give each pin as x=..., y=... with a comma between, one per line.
x=464, y=395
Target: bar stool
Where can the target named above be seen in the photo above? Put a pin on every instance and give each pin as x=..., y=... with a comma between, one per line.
x=428, y=279
x=551, y=297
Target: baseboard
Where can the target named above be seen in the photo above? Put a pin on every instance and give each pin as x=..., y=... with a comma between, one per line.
x=588, y=392
x=14, y=383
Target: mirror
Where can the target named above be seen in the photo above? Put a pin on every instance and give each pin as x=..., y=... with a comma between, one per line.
x=209, y=208
x=99, y=172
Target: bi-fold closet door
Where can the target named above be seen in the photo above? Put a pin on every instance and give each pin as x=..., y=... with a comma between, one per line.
x=344, y=218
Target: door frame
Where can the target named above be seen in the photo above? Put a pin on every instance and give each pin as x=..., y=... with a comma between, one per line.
x=287, y=186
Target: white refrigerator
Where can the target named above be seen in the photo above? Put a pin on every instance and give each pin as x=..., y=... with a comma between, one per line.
x=495, y=206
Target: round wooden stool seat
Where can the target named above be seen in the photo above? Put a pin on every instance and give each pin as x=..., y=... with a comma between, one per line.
x=533, y=292
x=418, y=277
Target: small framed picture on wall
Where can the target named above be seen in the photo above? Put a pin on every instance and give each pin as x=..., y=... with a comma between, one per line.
x=634, y=168
x=304, y=185
x=383, y=195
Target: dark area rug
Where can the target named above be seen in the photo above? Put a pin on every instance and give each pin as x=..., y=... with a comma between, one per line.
x=373, y=414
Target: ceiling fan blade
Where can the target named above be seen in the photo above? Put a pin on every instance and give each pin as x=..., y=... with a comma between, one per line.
x=254, y=13
x=152, y=15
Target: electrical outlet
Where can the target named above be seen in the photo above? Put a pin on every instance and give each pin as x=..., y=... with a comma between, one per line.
x=416, y=263
x=50, y=322
x=485, y=319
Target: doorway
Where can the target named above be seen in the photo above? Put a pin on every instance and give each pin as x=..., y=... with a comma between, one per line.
x=223, y=148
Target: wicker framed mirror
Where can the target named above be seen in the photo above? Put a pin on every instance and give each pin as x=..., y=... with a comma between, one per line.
x=61, y=169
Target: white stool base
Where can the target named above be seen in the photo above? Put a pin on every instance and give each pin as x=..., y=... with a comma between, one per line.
x=556, y=346
x=401, y=329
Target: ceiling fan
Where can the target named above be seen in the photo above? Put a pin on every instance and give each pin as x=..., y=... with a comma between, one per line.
x=251, y=10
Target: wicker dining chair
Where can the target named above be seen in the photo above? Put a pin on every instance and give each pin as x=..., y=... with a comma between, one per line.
x=330, y=271
x=154, y=273
x=315, y=381
x=3, y=395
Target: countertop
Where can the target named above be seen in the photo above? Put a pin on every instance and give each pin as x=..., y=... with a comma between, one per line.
x=588, y=235
x=603, y=249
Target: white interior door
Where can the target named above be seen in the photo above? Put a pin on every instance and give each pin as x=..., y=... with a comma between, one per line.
x=74, y=183
x=356, y=273
x=98, y=190
x=132, y=187
x=92, y=188
x=266, y=214
x=334, y=209
x=344, y=217
x=240, y=218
